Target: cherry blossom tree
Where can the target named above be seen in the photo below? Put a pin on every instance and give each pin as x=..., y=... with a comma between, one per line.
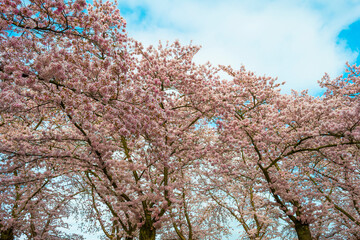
x=156, y=145
x=337, y=180
x=149, y=167
x=35, y=42
x=290, y=141
x=100, y=105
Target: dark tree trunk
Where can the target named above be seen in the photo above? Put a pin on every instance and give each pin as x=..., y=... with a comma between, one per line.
x=303, y=231
x=147, y=231
x=7, y=234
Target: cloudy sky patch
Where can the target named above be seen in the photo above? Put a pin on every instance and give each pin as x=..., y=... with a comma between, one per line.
x=296, y=41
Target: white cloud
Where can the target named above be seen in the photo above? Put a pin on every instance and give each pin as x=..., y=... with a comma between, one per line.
x=294, y=40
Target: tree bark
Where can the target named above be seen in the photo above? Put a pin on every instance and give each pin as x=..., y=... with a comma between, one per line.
x=303, y=231
x=147, y=231
x=7, y=234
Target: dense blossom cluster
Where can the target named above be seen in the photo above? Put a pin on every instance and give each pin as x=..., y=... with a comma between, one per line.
x=142, y=143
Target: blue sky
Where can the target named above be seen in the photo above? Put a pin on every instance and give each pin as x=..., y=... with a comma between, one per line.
x=351, y=35
x=296, y=41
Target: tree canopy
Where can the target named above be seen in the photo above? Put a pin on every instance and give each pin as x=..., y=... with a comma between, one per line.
x=144, y=143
